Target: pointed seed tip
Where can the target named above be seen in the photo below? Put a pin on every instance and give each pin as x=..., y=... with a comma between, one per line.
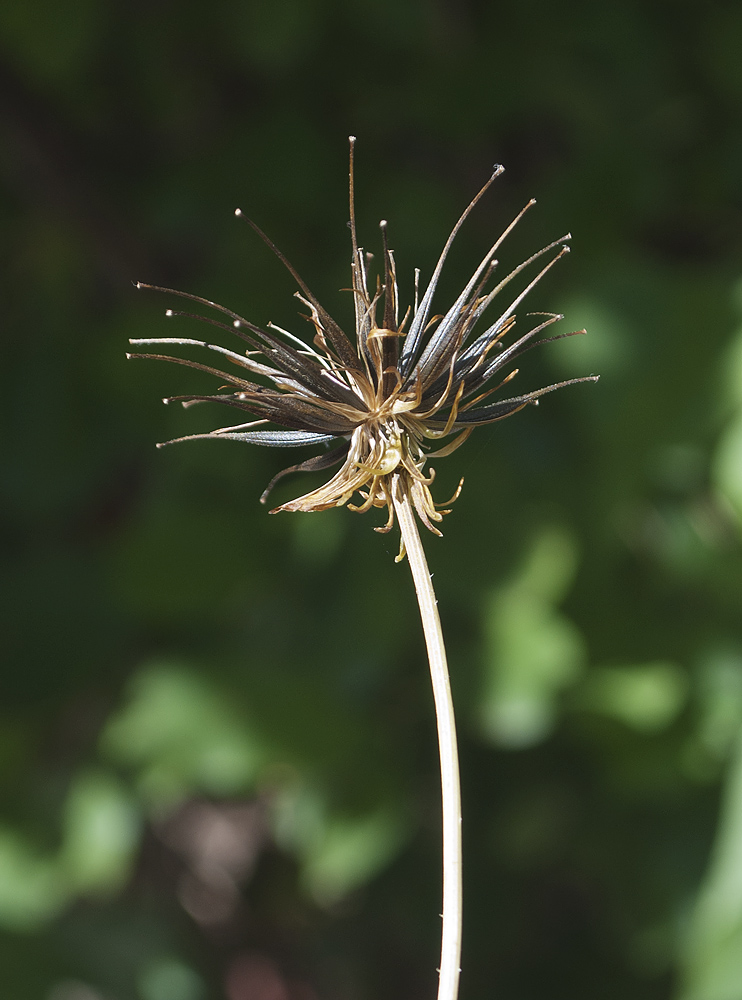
x=128, y=356
x=168, y=312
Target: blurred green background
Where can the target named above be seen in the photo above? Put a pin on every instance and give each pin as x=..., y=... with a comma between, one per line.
x=217, y=749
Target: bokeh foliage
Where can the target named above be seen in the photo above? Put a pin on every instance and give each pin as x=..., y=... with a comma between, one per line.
x=217, y=752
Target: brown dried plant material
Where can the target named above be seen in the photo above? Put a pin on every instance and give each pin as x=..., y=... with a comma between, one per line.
x=406, y=391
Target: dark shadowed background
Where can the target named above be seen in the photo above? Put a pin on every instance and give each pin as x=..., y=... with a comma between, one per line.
x=217, y=751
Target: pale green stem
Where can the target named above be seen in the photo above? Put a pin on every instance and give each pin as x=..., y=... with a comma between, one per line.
x=448, y=983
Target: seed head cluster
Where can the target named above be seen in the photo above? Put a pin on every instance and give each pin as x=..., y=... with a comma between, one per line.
x=407, y=391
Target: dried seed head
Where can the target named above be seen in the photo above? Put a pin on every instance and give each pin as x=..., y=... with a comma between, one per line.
x=385, y=402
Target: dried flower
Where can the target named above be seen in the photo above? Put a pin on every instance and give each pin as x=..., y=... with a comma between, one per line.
x=388, y=402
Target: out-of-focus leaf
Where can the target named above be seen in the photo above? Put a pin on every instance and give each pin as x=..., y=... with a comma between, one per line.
x=182, y=736
x=101, y=833
x=732, y=359
x=728, y=464
x=32, y=889
x=100, y=836
x=713, y=954
x=533, y=651
x=719, y=703
x=170, y=979
x=607, y=349
x=646, y=696
x=337, y=852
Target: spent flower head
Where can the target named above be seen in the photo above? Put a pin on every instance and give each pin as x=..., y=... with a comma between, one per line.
x=407, y=391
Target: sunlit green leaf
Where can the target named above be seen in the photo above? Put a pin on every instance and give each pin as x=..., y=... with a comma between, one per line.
x=182, y=736
x=533, y=651
x=646, y=696
x=713, y=957
x=101, y=833
x=338, y=852
x=31, y=887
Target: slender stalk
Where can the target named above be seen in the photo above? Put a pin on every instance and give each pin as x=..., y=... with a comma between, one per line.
x=448, y=983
